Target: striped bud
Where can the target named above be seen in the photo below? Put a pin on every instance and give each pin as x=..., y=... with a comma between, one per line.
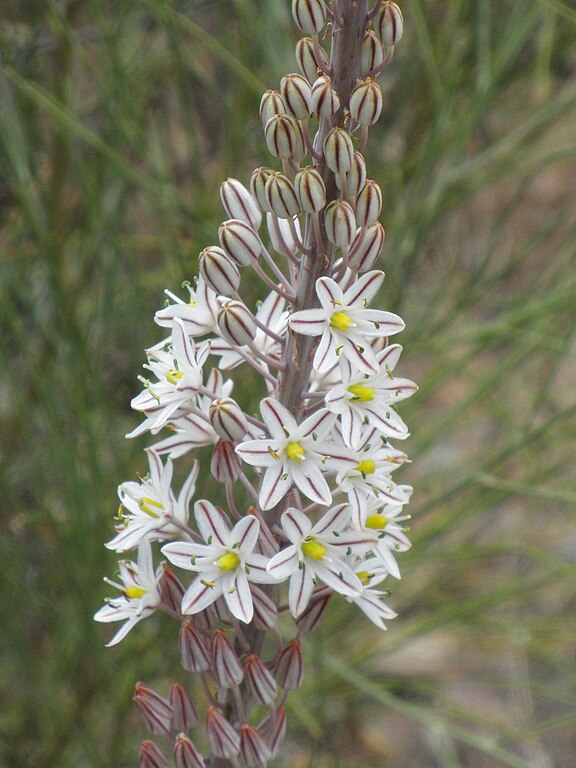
x=184, y=715
x=258, y=184
x=338, y=150
x=389, y=24
x=265, y=610
x=324, y=99
x=259, y=680
x=366, y=102
x=309, y=15
x=155, y=710
x=306, y=58
x=368, y=204
x=372, y=53
x=340, y=223
x=224, y=740
x=236, y=323
x=227, y=419
x=289, y=671
x=273, y=728
x=253, y=749
x=296, y=93
x=171, y=588
x=239, y=203
x=271, y=104
x=225, y=465
x=239, y=241
x=284, y=137
x=227, y=668
x=281, y=196
x=356, y=176
x=185, y=753
x=151, y=756
x=310, y=189
x=218, y=271
x=194, y=655
x=314, y=611
x=281, y=235
x=366, y=247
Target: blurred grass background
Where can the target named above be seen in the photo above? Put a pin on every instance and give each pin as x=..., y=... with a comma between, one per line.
x=118, y=121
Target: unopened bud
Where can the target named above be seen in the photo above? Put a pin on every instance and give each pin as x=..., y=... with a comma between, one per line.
x=306, y=58
x=227, y=668
x=171, y=589
x=227, y=419
x=366, y=247
x=265, y=610
x=284, y=137
x=184, y=715
x=281, y=235
x=389, y=24
x=289, y=671
x=312, y=614
x=258, y=184
x=295, y=91
x=151, y=756
x=259, y=680
x=253, y=749
x=155, y=710
x=225, y=465
x=338, y=150
x=340, y=223
x=239, y=241
x=218, y=271
x=236, y=323
x=356, y=176
x=281, y=196
x=224, y=740
x=372, y=53
x=366, y=102
x=239, y=203
x=368, y=204
x=310, y=189
x=194, y=655
x=273, y=728
x=185, y=753
x=271, y=104
x=324, y=99
x=309, y=15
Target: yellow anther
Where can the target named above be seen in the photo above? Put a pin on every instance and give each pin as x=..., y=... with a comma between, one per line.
x=145, y=503
x=135, y=591
x=295, y=452
x=362, y=393
x=228, y=562
x=367, y=467
x=341, y=321
x=173, y=376
x=365, y=577
x=313, y=549
x=377, y=522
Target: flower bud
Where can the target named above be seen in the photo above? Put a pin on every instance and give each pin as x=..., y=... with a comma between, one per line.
x=284, y=137
x=226, y=465
x=271, y=104
x=273, y=728
x=258, y=184
x=338, y=150
x=366, y=247
x=281, y=196
x=310, y=189
x=236, y=323
x=259, y=680
x=185, y=753
x=368, y=204
x=239, y=241
x=265, y=610
x=366, y=102
x=171, y=588
x=295, y=91
x=389, y=24
x=372, y=53
x=356, y=176
x=224, y=740
x=281, y=236
x=155, y=710
x=218, y=271
x=289, y=671
x=227, y=419
x=253, y=749
x=309, y=15
x=227, y=668
x=184, y=715
x=306, y=58
x=194, y=655
x=151, y=756
x=324, y=99
x=312, y=614
x=239, y=203
x=340, y=223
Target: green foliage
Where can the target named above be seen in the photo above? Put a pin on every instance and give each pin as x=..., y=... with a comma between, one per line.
x=118, y=123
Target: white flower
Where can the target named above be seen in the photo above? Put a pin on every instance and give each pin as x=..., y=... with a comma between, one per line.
x=295, y=454
x=198, y=315
x=344, y=323
x=317, y=552
x=386, y=522
x=371, y=573
x=225, y=563
x=140, y=593
x=149, y=506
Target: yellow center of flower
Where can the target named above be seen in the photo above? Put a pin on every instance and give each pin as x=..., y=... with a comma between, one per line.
x=365, y=577
x=376, y=522
x=145, y=503
x=173, y=376
x=295, y=452
x=341, y=320
x=135, y=591
x=313, y=549
x=361, y=393
x=367, y=467
x=228, y=562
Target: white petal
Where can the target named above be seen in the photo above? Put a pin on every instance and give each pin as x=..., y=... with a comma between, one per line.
x=286, y=562
x=365, y=288
x=275, y=485
x=211, y=523
x=296, y=525
x=300, y=590
x=200, y=594
x=312, y=483
x=245, y=533
x=339, y=577
x=239, y=598
x=258, y=453
x=277, y=418
x=329, y=294
x=336, y=519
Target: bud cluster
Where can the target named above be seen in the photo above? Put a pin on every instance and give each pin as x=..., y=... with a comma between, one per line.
x=310, y=507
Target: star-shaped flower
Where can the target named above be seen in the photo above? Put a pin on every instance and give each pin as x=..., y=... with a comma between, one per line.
x=198, y=314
